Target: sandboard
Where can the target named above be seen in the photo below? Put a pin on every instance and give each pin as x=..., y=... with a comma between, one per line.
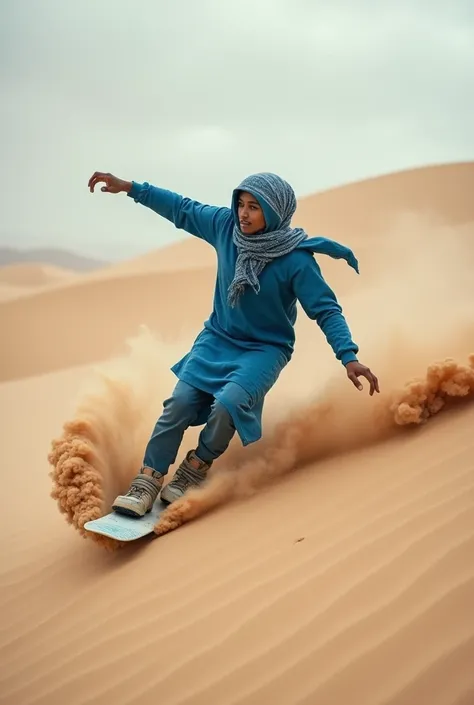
x=126, y=528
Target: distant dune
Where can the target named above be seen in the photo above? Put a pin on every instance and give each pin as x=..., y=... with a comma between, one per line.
x=33, y=274
x=23, y=279
x=56, y=257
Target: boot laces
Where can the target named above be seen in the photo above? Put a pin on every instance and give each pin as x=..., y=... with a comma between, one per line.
x=140, y=487
x=138, y=492
x=186, y=476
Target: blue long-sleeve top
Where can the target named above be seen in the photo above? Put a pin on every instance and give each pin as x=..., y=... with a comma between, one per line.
x=266, y=318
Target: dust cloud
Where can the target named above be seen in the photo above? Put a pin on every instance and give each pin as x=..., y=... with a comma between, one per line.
x=413, y=317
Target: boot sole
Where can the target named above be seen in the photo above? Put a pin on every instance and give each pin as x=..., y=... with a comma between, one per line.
x=128, y=512
x=164, y=498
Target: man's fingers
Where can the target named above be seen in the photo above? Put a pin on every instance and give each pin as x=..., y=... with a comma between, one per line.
x=376, y=382
x=96, y=177
x=355, y=381
x=93, y=180
x=370, y=377
x=362, y=371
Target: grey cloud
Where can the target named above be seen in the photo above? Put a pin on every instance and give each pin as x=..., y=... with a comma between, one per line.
x=199, y=94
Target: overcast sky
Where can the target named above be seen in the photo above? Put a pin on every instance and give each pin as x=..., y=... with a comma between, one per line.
x=195, y=95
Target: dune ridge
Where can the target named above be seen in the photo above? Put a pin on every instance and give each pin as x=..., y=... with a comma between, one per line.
x=21, y=280
x=33, y=274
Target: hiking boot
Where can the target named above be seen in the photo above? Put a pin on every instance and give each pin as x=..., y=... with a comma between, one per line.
x=141, y=496
x=191, y=473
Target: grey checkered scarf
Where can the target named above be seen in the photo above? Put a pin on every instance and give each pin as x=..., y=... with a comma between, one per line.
x=278, y=202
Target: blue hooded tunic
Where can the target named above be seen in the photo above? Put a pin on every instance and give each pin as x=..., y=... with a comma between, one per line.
x=251, y=343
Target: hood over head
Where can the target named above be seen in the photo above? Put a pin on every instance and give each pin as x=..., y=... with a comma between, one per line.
x=275, y=196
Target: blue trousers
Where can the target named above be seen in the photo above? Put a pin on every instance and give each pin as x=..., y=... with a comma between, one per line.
x=182, y=410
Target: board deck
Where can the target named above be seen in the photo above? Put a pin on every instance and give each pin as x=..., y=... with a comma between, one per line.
x=125, y=528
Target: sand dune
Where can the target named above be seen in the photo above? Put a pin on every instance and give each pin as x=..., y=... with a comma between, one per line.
x=56, y=257
x=331, y=563
x=188, y=253
x=89, y=321
x=22, y=279
x=32, y=274
x=441, y=194
x=10, y=291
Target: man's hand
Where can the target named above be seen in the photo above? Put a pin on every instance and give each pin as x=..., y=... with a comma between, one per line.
x=112, y=183
x=355, y=370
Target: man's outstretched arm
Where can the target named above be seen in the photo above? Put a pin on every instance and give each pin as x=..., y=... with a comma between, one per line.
x=198, y=219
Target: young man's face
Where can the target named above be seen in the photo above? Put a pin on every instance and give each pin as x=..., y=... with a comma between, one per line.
x=250, y=214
